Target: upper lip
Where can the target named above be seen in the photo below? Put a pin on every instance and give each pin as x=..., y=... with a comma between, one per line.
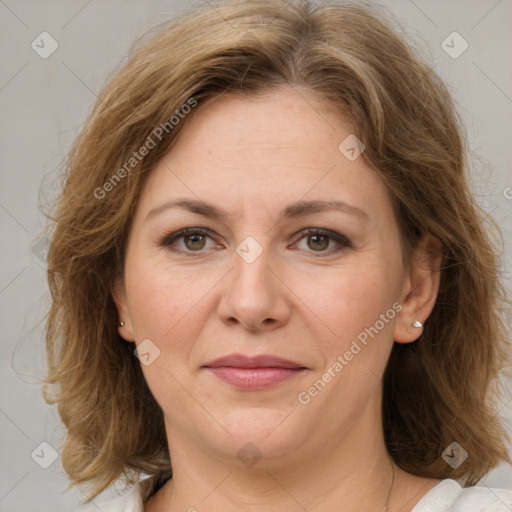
x=261, y=361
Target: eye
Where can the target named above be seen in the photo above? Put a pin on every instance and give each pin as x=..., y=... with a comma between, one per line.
x=319, y=240
x=194, y=240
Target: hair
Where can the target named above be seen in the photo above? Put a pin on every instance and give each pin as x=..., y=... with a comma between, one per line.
x=351, y=58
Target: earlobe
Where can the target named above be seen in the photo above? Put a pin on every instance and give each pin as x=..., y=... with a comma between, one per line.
x=124, y=323
x=420, y=289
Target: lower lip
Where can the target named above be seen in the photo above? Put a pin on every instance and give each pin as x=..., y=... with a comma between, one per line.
x=254, y=378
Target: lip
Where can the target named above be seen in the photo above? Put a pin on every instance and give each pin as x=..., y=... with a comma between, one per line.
x=261, y=361
x=258, y=372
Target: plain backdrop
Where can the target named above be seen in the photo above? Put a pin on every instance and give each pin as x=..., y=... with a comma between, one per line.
x=44, y=102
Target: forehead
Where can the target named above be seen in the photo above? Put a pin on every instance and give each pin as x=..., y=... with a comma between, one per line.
x=269, y=150
x=281, y=119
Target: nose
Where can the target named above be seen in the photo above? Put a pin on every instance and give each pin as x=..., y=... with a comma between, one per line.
x=255, y=296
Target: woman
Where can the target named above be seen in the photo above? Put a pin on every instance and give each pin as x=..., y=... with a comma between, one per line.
x=268, y=272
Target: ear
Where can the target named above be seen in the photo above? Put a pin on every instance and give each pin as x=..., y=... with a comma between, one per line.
x=119, y=296
x=420, y=289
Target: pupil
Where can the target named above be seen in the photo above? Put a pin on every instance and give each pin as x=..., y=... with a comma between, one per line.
x=321, y=245
x=194, y=240
x=319, y=241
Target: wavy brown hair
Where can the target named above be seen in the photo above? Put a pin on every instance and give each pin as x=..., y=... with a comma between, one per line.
x=352, y=58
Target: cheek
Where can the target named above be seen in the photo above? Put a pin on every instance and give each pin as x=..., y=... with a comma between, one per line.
x=170, y=302
x=349, y=299
x=165, y=307
x=359, y=307
x=163, y=298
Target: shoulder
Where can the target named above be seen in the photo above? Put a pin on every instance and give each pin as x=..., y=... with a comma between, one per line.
x=132, y=501
x=449, y=496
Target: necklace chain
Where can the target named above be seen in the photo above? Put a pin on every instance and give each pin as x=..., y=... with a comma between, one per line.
x=391, y=486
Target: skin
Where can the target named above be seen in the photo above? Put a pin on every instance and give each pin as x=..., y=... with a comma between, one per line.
x=301, y=299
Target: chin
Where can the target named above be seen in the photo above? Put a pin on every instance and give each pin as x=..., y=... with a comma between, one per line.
x=260, y=433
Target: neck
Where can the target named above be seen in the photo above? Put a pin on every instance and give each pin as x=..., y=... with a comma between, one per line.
x=353, y=473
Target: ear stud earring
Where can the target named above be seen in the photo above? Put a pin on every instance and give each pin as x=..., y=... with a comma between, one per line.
x=121, y=323
x=417, y=324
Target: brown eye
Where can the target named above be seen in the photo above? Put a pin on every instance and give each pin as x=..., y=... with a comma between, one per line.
x=194, y=242
x=318, y=242
x=189, y=240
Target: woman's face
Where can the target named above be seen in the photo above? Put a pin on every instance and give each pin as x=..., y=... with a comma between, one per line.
x=271, y=268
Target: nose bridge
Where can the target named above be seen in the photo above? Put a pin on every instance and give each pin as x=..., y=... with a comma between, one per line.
x=253, y=296
x=251, y=273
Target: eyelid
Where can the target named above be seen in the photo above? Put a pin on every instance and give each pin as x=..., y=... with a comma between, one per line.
x=333, y=235
x=341, y=240
x=180, y=233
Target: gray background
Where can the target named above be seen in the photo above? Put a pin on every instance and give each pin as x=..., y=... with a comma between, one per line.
x=43, y=104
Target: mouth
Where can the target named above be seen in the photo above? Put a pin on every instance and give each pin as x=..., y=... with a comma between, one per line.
x=254, y=373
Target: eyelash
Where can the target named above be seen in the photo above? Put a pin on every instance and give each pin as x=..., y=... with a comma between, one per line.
x=341, y=240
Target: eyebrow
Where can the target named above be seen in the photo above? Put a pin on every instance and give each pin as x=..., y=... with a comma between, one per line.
x=292, y=211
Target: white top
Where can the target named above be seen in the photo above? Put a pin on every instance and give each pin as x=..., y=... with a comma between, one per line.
x=446, y=496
